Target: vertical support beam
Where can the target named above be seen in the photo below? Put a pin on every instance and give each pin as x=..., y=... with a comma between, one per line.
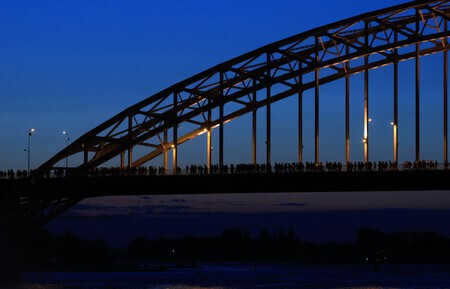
x=254, y=123
x=174, y=159
x=221, y=102
x=395, y=123
x=85, y=157
x=130, y=148
x=300, y=114
x=316, y=106
x=208, y=149
x=366, y=108
x=175, y=134
x=417, y=102
x=166, y=152
x=366, y=97
x=122, y=160
x=268, y=116
x=445, y=99
x=316, y=117
x=208, y=139
x=85, y=154
x=417, y=90
x=347, y=111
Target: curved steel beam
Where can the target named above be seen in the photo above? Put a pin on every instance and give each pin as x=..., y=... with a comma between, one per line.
x=384, y=36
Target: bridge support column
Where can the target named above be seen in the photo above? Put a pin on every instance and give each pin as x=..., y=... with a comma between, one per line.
x=254, y=123
x=174, y=159
x=268, y=117
x=366, y=109
x=347, y=112
x=85, y=157
x=268, y=144
x=316, y=117
x=417, y=90
x=175, y=136
x=395, y=122
x=300, y=113
x=300, y=124
x=208, y=140
x=122, y=160
x=417, y=102
x=221, y=101
x=130, y=158
x=166, y=153
x=130, y=148
x=208, y=149
x=445, y=100
x=316, y=107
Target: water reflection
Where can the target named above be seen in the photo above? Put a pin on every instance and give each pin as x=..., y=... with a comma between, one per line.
x=238, y=276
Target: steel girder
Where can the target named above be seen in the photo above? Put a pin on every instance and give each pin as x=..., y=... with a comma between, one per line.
x=198, y=102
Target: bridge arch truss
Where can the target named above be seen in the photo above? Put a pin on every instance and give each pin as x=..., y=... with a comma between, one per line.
x=268, y=74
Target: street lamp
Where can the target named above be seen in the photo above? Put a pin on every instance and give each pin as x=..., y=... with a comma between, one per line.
x=67, y=144
x=30, y=132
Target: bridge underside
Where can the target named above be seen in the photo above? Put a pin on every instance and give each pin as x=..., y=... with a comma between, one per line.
x=62, y=193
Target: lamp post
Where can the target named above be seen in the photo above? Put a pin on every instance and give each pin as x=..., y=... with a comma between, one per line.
x=67, y=144
x=30, y=132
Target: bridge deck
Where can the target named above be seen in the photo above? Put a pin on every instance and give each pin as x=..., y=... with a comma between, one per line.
x=86, y=187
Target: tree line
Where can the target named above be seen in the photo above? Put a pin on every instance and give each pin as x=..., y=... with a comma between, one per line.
x=68, y=252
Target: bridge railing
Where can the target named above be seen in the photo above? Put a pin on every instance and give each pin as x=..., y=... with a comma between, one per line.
x=243, y=168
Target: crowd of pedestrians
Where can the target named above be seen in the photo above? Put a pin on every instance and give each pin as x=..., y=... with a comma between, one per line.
x=249, y=168
x=293, y=167
x=12, y=174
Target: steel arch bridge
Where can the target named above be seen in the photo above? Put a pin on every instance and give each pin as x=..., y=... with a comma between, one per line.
x=266, y=75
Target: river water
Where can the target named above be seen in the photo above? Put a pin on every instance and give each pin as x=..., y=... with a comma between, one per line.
x=237, y=276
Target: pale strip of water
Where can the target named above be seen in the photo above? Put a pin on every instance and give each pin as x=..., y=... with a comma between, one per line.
x=237, y=276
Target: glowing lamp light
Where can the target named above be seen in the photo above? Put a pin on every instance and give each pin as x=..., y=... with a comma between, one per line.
x=66, y=134
x=202, y=131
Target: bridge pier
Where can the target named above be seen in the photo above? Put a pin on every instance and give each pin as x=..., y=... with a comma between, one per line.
x=19, y=235
x=10, y=265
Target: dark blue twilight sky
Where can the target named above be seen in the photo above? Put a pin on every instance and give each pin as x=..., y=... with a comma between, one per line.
x=70, y=65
